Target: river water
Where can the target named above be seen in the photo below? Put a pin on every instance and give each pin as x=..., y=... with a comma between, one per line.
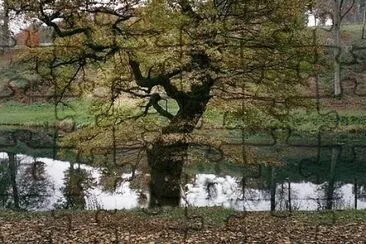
x=309, y=178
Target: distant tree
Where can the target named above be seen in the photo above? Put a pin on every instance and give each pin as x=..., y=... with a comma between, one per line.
x=4, y=32
x=363, y=9
x=337, y=10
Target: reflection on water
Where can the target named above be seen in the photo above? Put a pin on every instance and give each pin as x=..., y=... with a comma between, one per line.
x=31, y=183
x=294, y=172
x=228, y=193
x=63, y=191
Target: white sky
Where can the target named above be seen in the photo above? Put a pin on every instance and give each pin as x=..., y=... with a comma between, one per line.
x=312, y=21
x=16, y=22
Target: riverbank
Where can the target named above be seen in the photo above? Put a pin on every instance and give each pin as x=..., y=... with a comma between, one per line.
x=171, y=226
x=39, y=114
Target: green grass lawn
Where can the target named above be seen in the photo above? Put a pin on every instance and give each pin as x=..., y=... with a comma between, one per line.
x=13, y=113
x=352, y=32
x=349, y=32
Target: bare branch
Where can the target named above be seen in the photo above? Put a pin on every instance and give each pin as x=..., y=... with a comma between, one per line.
x=154, y=102
x=347, y=11
x=162, y=80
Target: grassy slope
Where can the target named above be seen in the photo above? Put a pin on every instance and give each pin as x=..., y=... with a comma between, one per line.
x=41, y=113
x=12, y=113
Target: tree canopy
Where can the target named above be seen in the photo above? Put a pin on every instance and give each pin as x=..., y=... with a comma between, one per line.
x=154, y=68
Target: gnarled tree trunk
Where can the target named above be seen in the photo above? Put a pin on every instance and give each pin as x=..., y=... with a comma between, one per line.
x=166, y=165
x=167, y=155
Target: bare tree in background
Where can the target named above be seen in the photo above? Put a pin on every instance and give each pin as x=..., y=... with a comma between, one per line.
x=4, y=35
x=363, y=7
x=340, y=10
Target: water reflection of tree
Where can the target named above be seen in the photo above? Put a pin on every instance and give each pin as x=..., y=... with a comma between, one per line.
x=360, y=193
x=5, y=183
x=329, y=193
x=287, y=197
x=35, y=187
x=24, y=186
x=77, y=182
x=248, y=193
x=329, y=196
x=242, y=194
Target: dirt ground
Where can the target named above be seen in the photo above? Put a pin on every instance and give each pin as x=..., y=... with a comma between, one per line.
x=129, y=227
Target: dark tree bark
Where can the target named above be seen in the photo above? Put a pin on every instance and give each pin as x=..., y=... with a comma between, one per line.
x=13, y=173
x=166, y=165
x=332, y=178
x=167, y=155
x=272, y=188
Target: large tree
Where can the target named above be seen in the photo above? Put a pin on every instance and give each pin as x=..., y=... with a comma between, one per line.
x=247, y=58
